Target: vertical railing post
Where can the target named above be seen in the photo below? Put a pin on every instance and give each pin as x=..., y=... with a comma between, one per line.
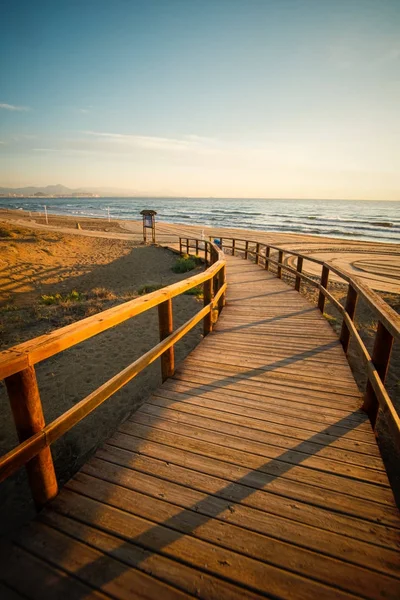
x=267, y=253
x=208, y=296
x=257, y=253
x=280, y=261
x=380, y=357
x=221, y=281
x=26, y=407
x=205, y=251
x=187, y=245
x=350, y=308
x=299, y=270
x=166, y=327
x=197, y=247
x=233, y=246
x=324, y=283
x=180, y=246
x=246, y=251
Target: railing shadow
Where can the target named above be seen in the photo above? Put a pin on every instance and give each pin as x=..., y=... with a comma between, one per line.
x=160, y=535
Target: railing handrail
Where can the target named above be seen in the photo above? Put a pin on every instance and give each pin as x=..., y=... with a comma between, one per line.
x=388, y=329
x=374, y=301
x=40, y=348
x=16, y=368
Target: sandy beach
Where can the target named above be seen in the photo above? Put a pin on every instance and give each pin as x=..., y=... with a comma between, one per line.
x=376, y=263
x=106, y=263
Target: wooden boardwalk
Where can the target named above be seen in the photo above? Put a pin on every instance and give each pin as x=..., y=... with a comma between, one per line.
x=249, y=473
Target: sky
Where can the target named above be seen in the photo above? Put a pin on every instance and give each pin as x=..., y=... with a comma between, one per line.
x=229, y=98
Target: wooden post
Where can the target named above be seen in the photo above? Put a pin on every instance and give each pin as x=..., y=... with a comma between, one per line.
x=257, y=253
x=324, y=283
x=380, y=357
x=246, y=249
x=280, y=260
x=26, y=407
x=350, y=307
x=267, y=253
x=197, y=247
x=187, y=245
x=221, y=281
x=205, y=251
x=233, y=246
x=299, y=270
x=208, y=296
x=166, y=327
x=180, y=246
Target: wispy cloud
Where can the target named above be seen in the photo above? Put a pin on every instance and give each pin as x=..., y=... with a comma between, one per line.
x=14, y=107
x=186, y=143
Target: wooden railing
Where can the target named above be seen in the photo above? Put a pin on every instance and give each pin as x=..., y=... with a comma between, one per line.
x=18, y=371
x=388, y=329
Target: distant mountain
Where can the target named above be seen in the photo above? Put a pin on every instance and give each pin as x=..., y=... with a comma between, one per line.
x=31, y=190
x=62, y=190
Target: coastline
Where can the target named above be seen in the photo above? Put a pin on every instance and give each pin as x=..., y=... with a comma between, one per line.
x=376, y=263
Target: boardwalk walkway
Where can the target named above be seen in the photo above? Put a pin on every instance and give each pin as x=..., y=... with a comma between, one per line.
x=249, y=473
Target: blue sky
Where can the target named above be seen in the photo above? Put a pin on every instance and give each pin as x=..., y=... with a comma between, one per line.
x=251, y=98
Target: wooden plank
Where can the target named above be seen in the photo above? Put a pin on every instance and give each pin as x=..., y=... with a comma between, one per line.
x=325, y=442
x=231, y=443
x=261, y=499
x=193, y=549
x=275, y=467
x=222, y=375
x=35, y=579
x=97, y=570
x=184, y=577
x=277, y=420
x=364, y=507
x=274, y=407
x=195, y=520
x=299, y=534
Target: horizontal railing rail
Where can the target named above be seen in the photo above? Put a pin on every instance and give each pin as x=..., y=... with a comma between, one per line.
x=388, y=328
x=18, y=371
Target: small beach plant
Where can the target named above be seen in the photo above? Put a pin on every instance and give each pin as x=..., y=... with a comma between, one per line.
x=183, y=265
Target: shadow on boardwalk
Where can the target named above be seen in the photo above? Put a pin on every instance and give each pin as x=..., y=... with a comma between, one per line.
x=158, y=537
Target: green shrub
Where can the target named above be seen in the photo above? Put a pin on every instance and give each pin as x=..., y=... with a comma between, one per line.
x=73, y=296
x=50, y=299
x=148, y=288
x=182, y=265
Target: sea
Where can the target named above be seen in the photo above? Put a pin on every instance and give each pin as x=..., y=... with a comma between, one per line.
x=355, y=219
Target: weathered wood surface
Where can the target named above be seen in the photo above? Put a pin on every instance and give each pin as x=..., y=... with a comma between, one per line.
x=250, y=473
